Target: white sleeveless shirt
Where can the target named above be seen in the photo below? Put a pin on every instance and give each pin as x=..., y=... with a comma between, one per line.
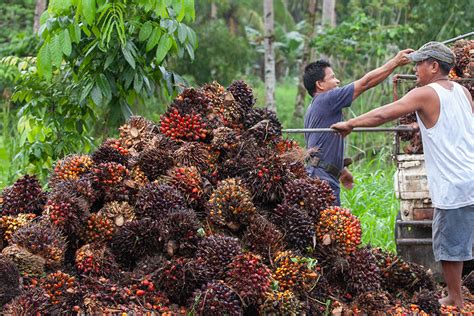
x=449, y=150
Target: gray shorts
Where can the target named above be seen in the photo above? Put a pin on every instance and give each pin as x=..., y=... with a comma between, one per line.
x=453, y=234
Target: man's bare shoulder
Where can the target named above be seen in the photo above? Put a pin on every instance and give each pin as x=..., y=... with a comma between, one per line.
x=425, y=94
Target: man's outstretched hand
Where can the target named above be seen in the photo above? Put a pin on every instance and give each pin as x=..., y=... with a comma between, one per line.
x=343, y=128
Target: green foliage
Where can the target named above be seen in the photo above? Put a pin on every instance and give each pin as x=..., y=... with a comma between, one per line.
x=116, y=50
x=221, y=56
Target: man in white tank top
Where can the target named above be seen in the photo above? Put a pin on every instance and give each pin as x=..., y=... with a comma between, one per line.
x=445, y=113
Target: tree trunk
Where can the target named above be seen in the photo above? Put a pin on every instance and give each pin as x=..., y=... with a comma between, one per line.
x=269, y=56
x=305, y=58
x=39, y=9
x=213, y=10
x=329, y=12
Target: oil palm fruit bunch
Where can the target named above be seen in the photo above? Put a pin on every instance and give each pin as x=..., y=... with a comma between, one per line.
x=262, y=125
x=154, y=162
x=372, y=302
x=10, y=224
x=26, y=262
x=81, y=189
x=134, y=240
x=263, y=238
x=423, y=278
x=118, y=213
x=461, y=50
x=95, y=260
x=136, y=133
x=293, y=156
x=427, y=300
x=213, y=90
x=177, y=278
x=24, y=196
x=193, y=154
x=215, y=298
x=232, y=112
x=333, y=269
x=281, y=303
x=311, y=194
x=396, y=272
x=340, y=226
x=155, y=201
x=143, y=294
x=9, y=280
x=109, y=173
x=216, y=252
x=179, y=232
x=193, y=100
x=111, y=151
x=67, y=211
x=62, y=291
x=98, y=228
x=363, y=274
x=267, y=179
x=224, y=139
x=70, y=168
x=30, y=302
x=249, y=277
x=297, y=226
x=230, y=205
x=137, y=177
x=295, y=273
x=243, y=94
x=186, y=127
x=44, y=239
x=188, y=181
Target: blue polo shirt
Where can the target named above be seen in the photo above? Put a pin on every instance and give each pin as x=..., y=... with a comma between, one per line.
x=326, y=109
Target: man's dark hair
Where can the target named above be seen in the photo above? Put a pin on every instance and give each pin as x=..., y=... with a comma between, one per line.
x=312, y=73
x=444, y=66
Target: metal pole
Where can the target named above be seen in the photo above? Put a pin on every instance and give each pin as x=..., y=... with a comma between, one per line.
x=457, y=38
x=401, y=128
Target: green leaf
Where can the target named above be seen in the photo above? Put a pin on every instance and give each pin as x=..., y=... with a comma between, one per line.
x=154, y=39
x=96, y=95
x=189, y=10
x=138, y=82
x=190, y=50
x=180, y=9
x=163, y=47
x=145, y=31
x=56, y=51
x=44, y=62
x=66, y=42
x=128, y=56
x=191, y=36
x=181, y=33
x=104, y=86
x=85, y=92
x=88, y=10
x=59, y=7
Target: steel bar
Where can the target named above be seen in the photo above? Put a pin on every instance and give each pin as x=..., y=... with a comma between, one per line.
x=400, y=128
x=457, y=38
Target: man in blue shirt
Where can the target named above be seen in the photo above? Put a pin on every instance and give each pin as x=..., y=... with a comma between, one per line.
x=326, y=109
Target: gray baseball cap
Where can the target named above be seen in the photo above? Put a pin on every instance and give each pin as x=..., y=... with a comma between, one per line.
x=434, y=50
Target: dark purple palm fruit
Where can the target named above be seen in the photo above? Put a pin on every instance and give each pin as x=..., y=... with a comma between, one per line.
x=310, y=194
x=134, y=240
x=189, y=182
x=24, y=196
x=67, y=211
x=297, y=226
x=262, y=125
x=193, y=101
x=216, y=252
x=44, y=239
x=81, y=188
x=363, y=274
x=136, y=133
x=249, y=277
x=9, y=280
x=293, y=156
x=30, y=302
x=423, y=278
x=177, y=278
x=215, y=298
x=230, y=205
x=154, y=162
x=155, y=201
x=179, y=232
x=427, y=300
x=243, y=94
x=111, y=151
x=263, y=238
x=372, y=302
x=26, y=262
x=333, y=269
x=225, y=140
